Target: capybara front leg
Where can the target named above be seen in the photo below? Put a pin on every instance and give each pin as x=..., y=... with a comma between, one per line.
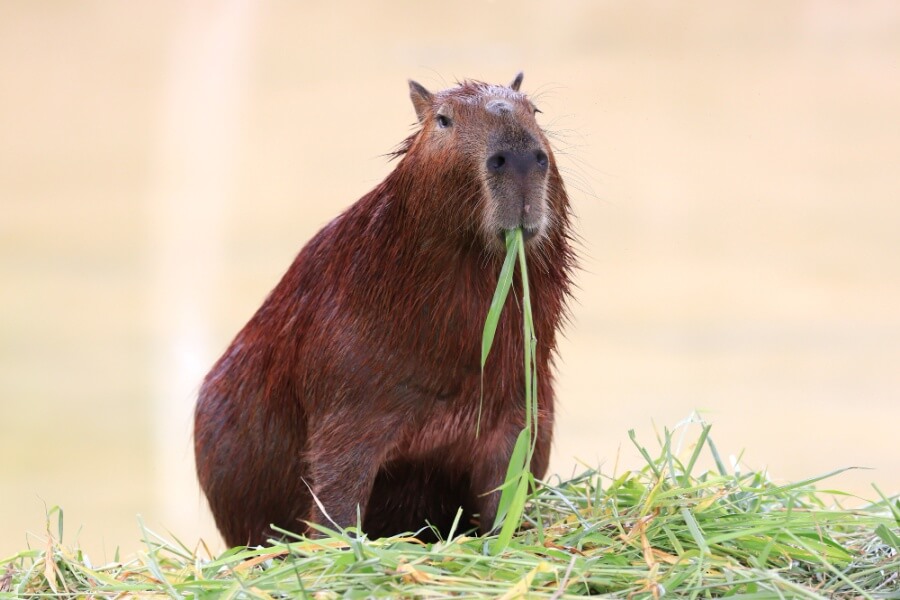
x=342, y=476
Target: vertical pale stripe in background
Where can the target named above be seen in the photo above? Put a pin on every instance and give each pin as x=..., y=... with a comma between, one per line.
x=189, y=208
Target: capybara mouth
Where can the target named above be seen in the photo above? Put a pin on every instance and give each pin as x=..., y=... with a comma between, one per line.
x=527, y=233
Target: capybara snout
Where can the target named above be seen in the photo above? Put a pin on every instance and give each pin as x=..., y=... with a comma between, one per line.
x=355, y=391
x=517, y=181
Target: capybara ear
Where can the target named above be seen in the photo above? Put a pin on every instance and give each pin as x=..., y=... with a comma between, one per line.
x=421, y=99
x=517, y=81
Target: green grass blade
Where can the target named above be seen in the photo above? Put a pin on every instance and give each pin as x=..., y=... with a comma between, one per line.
x=698, y=446
x=500, y=293
x=695, y=531
x=493, y=316
x=511, y=524
x=720, y=464
x=517, y=465
x=650, y=462
x=529, y=345
x=526, y=291
x=514, y=494
x=888, y=537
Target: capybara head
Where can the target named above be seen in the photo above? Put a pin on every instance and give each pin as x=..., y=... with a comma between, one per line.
x=485, y=141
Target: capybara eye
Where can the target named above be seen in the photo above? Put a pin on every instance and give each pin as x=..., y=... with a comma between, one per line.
x=444, y=121
x=541, y=158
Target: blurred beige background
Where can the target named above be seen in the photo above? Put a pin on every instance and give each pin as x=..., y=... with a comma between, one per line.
x=733, y=166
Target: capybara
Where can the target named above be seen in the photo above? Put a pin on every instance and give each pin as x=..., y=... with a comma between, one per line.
x=358, y=380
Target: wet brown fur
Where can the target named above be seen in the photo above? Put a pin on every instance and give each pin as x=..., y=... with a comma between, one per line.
x=359, y=380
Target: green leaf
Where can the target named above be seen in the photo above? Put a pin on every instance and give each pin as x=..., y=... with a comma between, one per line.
x=888, y=537
x=695, y=531
x=650, y=462
x=514, y=490
x=513, y=516
x=493, y=316
x=499, y=299
x=698, y=446
x=517, y=466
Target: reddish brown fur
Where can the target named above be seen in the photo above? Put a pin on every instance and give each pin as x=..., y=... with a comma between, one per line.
x=359, y=376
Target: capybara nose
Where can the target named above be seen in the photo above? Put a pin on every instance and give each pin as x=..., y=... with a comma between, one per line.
x=519, y=163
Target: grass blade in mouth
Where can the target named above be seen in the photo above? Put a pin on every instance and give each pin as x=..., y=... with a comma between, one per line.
x=514, y=489
x=493, y=316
